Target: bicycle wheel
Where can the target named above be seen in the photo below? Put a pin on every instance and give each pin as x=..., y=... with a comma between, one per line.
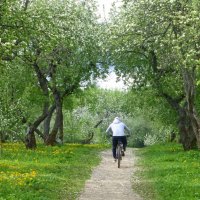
x=119, y=155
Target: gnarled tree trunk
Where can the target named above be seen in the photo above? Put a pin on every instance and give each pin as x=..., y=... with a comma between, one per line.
x=30, y=141
x=189, y=86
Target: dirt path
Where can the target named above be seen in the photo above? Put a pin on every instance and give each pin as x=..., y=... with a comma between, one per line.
x=110, y=183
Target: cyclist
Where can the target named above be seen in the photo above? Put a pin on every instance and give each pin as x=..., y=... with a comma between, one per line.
x=117, y=128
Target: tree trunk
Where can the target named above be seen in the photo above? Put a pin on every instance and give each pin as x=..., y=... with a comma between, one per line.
x=43, y=83
x=30, y=141
x=58, y=125
x=2, y=136
x=189, y=86
x=187, y=135
x=51, y=140
x=61, y=132
x=47, y=122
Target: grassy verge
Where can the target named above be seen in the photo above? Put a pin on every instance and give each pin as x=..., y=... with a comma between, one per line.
x=168, y=173
x=46, y=173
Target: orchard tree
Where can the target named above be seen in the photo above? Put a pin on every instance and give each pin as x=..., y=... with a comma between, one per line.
x=156, y=43
x=64, y=57
x=57, y=44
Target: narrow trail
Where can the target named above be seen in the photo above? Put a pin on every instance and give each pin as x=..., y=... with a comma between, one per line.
x=110, y=183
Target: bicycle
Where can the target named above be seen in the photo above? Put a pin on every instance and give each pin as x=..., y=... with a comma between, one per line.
x=119, y=152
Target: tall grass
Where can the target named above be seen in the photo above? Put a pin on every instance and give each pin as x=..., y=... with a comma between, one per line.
x=169, y=173
x=46, y=173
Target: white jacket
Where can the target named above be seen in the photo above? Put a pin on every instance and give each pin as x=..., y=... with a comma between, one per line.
x=117, y=128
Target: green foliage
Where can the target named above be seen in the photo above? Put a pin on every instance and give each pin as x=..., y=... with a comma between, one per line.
x=60, y=33
x=156, y=45
x=140, y=128
x=93, y=105
x=150, y=119
x=148, y=102
x=79, y=124
x=47, y=173
x=169, y=173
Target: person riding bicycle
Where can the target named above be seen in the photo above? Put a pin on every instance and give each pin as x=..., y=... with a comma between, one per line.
x=117, y=127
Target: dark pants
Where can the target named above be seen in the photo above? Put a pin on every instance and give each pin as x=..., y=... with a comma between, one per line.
x=115, y=142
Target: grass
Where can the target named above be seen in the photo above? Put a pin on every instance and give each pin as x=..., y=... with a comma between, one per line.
x=168, y=173
x=46, y=173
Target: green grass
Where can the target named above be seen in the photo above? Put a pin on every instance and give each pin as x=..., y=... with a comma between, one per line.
x=46, y=173
x=168, y=173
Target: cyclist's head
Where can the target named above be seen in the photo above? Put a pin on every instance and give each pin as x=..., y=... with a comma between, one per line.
x=116, y=120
